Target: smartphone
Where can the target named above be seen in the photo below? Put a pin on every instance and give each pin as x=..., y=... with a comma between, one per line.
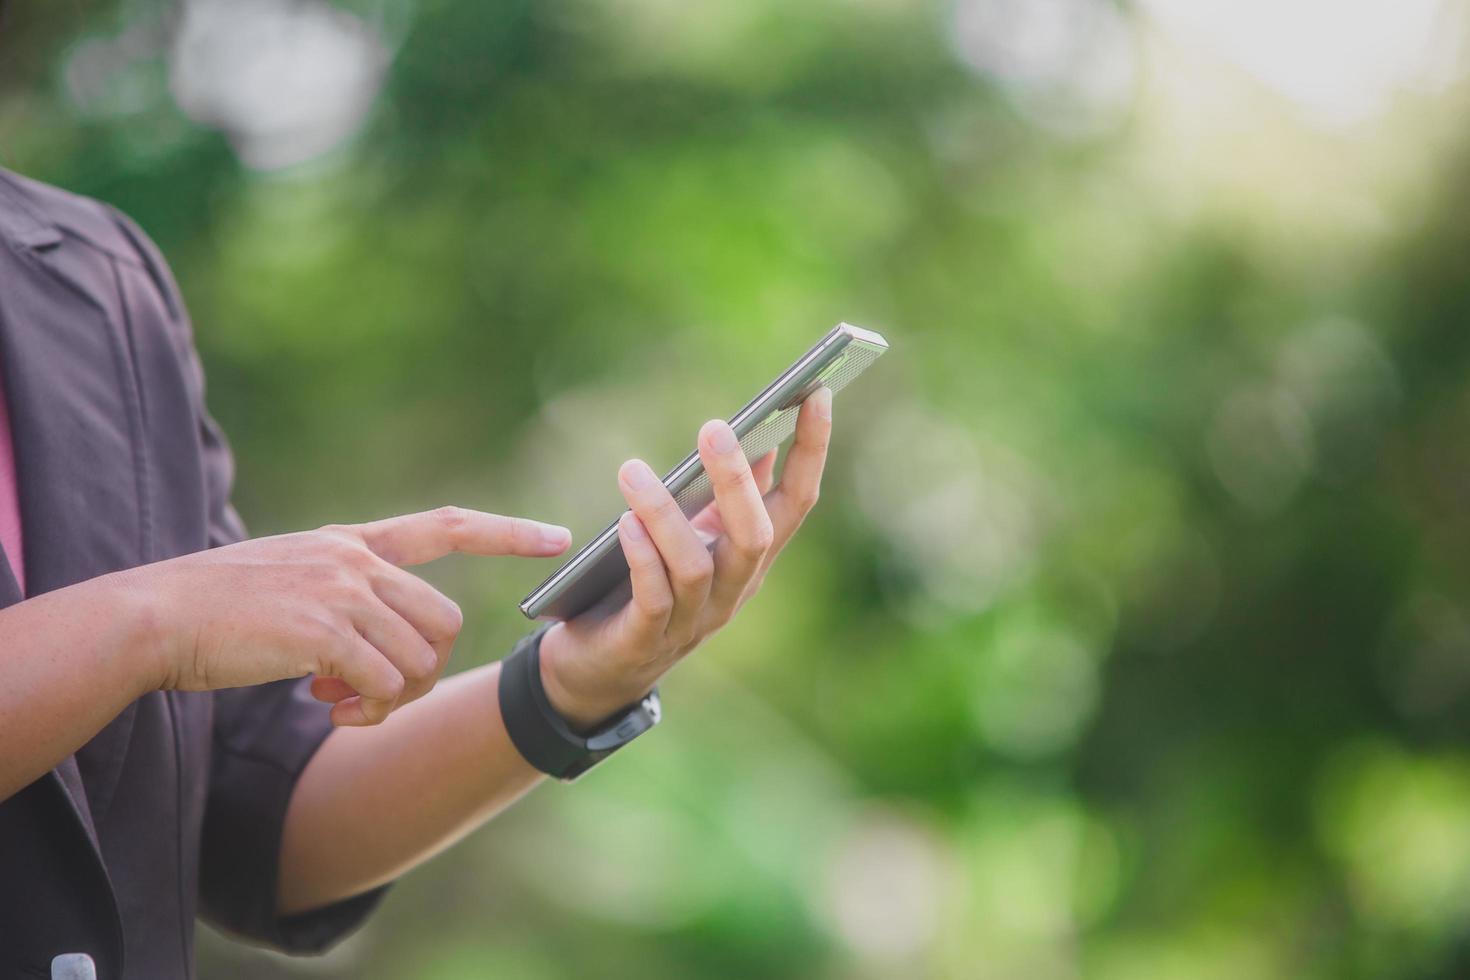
x=596, y=578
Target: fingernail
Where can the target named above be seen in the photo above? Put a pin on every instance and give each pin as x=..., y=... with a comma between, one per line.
x=722, y=439
x=554, y=536
x=633, y=527
x=638, y=475
x=822, y=403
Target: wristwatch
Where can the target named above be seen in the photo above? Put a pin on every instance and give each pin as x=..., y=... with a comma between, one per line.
x=542, y=736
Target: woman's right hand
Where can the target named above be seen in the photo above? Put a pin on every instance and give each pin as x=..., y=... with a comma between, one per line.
x=332, y=602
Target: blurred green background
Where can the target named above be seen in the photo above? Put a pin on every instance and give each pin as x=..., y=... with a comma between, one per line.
x=1130, y=639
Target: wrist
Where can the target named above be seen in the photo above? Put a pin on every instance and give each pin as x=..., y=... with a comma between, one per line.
x=583, y=702
x=543, y=736
x=151, y=644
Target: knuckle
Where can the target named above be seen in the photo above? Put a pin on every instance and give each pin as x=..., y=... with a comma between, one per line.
x=323, y=634
x=451, y=517
x=663, y=507
x=736, y=477
x=393, y=686
x=357, y=559
x=375, y=710
x=695, y=571
x=748, y=550
x=337, y=631
x=441, y=617
x=519, y=533
x=420, y=668
x=657, y=606
x=453, y=618
x=343, y=584
x=340, y=544
x=754, y=547
x=432, y=662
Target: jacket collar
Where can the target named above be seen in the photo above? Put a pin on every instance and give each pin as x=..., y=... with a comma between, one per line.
x=21, y=222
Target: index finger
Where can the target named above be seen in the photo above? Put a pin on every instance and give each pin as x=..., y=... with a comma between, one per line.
x=413, y=539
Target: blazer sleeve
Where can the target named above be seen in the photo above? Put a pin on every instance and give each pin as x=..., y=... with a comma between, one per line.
x=263, y=736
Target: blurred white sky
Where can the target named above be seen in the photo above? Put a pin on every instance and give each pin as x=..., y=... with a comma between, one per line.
x=1340, y=61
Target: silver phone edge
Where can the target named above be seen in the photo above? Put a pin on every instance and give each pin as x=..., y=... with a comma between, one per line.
x=688, y=469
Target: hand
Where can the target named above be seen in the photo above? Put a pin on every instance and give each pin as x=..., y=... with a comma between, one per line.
x=332, y=602
x=593, y=666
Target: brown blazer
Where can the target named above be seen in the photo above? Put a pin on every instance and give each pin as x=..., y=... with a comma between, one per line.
x=176, y=807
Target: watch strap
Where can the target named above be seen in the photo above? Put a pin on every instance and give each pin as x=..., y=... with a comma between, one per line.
x=542, y=736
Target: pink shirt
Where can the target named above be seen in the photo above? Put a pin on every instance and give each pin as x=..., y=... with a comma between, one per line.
x=10, y=536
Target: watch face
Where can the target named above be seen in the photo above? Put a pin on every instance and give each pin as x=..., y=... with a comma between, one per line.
x=637, y=720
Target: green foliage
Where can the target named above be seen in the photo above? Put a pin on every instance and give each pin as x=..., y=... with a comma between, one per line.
x=1130, y=637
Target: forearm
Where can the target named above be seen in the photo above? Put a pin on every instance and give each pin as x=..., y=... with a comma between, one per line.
x=374, y=802
x=71, y=660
